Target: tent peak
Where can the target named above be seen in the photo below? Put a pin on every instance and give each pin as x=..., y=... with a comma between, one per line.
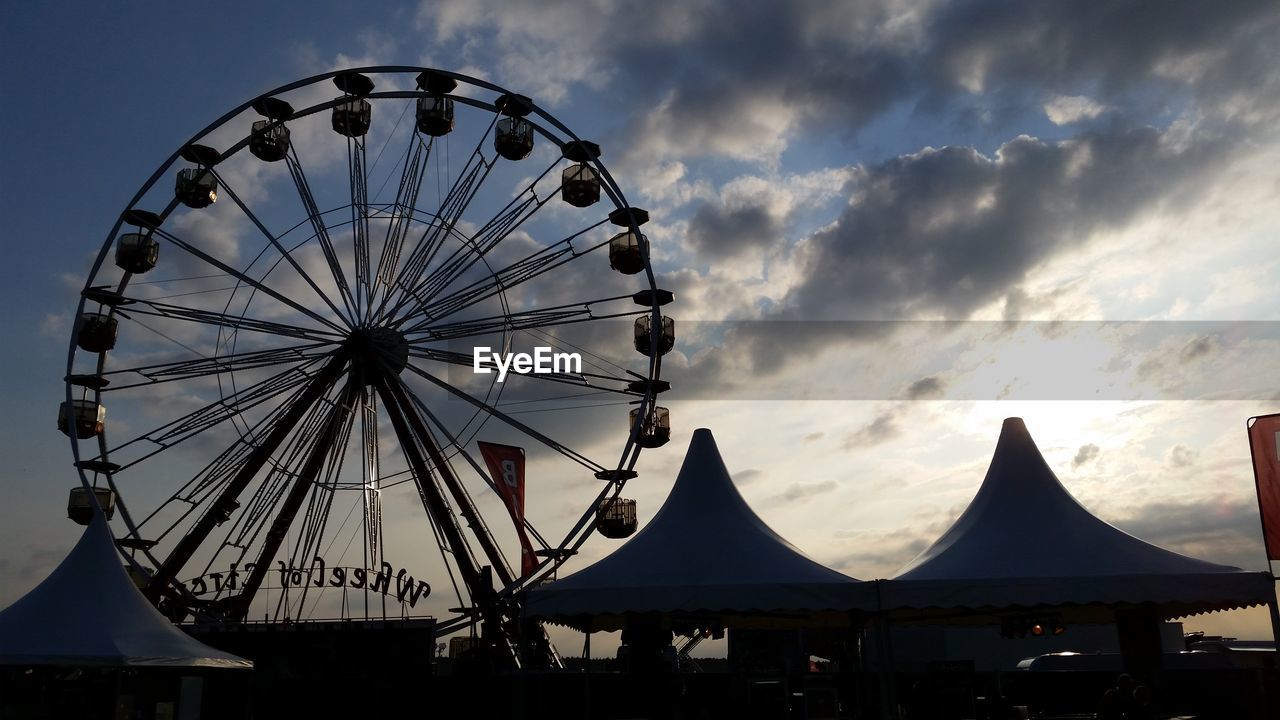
x=1023, y=523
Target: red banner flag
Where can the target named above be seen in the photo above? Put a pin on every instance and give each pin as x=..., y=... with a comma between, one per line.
x=506, y=467
x=1264, y=445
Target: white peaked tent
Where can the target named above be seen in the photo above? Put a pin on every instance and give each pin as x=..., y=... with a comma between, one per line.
x=89, y=613
x=1025, y=542
x=704, y=552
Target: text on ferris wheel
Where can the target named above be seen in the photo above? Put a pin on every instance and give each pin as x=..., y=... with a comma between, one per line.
x=542, y=361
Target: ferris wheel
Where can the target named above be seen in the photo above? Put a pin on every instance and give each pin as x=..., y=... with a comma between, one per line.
x=306, y=331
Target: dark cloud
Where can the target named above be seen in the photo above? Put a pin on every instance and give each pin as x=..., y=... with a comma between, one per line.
x=949, y=230
x=1218, y=529
x=1200, y=347
x=1084, y=455
x=738, y=79
x=1115, y=49
x=883, y=428
x=719, y=233
x=1177, y=360
x=746, y=69
x=926, y=388
x=870, y=553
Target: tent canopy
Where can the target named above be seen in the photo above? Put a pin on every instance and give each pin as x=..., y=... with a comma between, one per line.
x=704, y=552
x=1024, y=541
x=89, y=613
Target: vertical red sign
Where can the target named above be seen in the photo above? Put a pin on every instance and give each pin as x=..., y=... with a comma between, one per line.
x=506, y=467
x=1264, y=444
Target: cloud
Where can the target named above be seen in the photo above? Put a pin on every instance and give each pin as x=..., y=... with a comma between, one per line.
x=926, y=388
x=1009, y=50
x=733, y=80
x=1220, y=529
x=946, y=231
x=1067, y=109
x=883, y=428
x=1181, y=456
x=803, y=491
x=720, y=233
x=1084, y=456
x=56, y=326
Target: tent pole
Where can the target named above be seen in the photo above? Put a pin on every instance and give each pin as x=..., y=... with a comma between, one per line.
x=888, y=674
x=586, y=670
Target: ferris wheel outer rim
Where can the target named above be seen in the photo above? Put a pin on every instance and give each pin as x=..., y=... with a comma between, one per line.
x=583, y=530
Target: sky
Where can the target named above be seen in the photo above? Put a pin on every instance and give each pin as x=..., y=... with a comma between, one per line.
x=888, y=225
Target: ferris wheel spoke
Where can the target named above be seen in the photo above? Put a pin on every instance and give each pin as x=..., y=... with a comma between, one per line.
x=314, y=479
x=283, y=469
x=181, y=370
x=214, y=413
x=443, y=428
x=465, y=186
x=461, y=498
x=225, y=503
x=209, y=480
x=415, y=165
x=196, y=490
x=223, y=320
x=315, y=217
x=515, y=274
x=371, y=493
x=569, y=314
x=275, y=242
x=260, y=287
x=508, y=220
x=359, y=184
x=514, y=423
x=429, y=492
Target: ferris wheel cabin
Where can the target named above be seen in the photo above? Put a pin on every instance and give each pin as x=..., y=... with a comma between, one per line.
x=137, y=253
x=580, y=183
x=513, y=137
x=616, y=518
x=655, y=431
x=269, y=140
x=434, y=114
x=80, y=506
x=353, y=115
x=97, y=332
x=196, y=187
x=644, y=335
x=82, y=419
x=627, y=251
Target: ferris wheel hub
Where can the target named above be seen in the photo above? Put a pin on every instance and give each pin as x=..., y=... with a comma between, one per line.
x=377, y=352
